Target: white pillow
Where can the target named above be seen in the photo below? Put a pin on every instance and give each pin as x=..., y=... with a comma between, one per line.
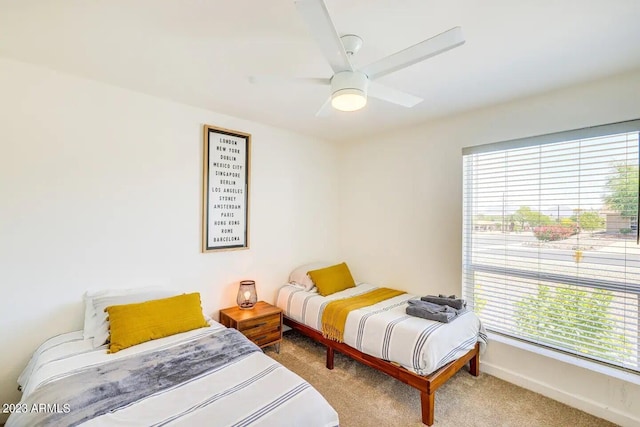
x=91, y=322
x=300, y=277
x=303, y=287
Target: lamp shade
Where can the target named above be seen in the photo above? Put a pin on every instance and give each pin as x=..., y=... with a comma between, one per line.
x=247, y=296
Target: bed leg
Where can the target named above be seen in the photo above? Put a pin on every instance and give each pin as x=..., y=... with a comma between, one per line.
x=427, y=401
x=329, y=357
x=474, y=364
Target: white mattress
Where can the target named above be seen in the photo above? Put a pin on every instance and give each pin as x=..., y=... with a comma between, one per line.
x=385, y=331
x=259, y=404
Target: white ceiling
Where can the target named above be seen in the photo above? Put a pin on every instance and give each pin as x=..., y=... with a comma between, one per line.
x=201, y=52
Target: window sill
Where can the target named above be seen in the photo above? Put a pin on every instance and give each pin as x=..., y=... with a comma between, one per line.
x=572, y=360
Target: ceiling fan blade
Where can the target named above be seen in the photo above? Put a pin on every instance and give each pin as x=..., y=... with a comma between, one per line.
x=326, y=108
x=416, y=53
x=265, y=79
x=316, y=15
x=394, y=96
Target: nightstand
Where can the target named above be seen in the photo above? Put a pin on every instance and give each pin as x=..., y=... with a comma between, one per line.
x=262, y=324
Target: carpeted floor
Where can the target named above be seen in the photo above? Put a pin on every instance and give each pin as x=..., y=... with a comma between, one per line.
x=365, y=397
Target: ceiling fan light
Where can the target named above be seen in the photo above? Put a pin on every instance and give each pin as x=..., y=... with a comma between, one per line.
x=348, y=99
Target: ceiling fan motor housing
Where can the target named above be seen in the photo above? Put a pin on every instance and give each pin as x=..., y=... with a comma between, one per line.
x=349, y=90
x=351, y=43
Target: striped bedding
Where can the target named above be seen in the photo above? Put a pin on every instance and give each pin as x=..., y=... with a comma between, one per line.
x=250, y=390
x=385, y=331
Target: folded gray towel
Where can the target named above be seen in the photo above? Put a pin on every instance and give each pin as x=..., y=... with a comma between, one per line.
x=431, y=311
x=451, y=301
x=443, y=316
x=431, y=307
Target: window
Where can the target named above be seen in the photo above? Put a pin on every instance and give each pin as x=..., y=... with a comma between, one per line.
x=550, y=240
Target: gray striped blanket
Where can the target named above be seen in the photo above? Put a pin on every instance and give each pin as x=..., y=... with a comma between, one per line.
x=94, y=391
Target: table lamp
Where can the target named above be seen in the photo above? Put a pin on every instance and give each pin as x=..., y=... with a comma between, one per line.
x=247, y=296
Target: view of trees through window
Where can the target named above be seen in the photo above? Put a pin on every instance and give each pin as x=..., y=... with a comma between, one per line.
x=575, y=317
x=550, y=252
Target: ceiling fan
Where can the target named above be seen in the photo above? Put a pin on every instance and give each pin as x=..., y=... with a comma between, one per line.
x=350, y=87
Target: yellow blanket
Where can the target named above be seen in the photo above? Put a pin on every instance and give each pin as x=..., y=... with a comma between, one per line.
x=334, y=316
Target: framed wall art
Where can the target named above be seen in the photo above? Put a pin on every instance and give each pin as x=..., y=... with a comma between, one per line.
x=225, y=190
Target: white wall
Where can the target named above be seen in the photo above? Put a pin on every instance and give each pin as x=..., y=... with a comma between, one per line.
x=401, y=218
x=101, y=187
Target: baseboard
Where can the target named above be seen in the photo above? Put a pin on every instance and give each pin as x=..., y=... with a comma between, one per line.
x=586, y=405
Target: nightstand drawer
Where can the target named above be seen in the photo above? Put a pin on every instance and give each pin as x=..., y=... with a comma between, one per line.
x=265, y=339
x=260, y=326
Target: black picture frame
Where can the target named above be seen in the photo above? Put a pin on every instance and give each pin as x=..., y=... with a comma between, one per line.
x=225, y=189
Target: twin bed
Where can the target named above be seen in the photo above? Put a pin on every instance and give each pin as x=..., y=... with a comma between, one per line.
x=209, y=375
x=419, y=352
x=212, y=375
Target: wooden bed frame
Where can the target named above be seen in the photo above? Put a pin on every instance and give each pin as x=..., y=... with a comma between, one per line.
x=426, y=384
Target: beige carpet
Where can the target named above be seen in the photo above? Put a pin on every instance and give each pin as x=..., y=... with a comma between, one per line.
x=365, y=397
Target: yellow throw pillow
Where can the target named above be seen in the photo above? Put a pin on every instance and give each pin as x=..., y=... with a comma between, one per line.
x=132, y=324
x=332, y=279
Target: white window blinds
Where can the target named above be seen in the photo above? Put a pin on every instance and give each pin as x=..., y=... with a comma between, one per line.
x=550, y=251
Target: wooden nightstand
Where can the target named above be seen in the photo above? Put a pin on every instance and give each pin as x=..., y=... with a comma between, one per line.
x=262, y=324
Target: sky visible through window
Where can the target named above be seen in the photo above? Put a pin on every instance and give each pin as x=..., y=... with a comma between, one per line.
x=554, y=179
